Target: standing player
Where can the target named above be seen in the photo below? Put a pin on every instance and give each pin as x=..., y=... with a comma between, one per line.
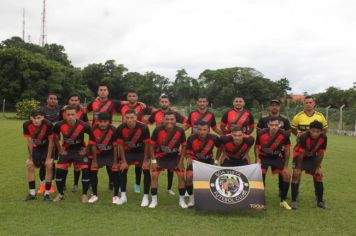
x=105, y=153
x=74, y=100
x=133, y=138
x=237, y=116
x=201, y=114
x=39, y=135
x=275, y=111
x=141, y=110
x=200, y=148
x=235, y=147
x=166, y=154
x=157, y=117
x=72, y=150
x=312, y=146
x=273, y=150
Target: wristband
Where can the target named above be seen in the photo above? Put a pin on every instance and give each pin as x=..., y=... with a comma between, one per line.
x=154, y=161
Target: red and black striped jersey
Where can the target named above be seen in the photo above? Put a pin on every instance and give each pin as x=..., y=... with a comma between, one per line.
x=233, y=118
x=133, y=139
x=167, y=143
x=105, y=140
x=196, y=117
x=39, y=134
x=202, y=149
x=158, y=116
x=237, y=151
x=139, y=111
x=96, y=106
x=311, y=146
x=73, y=136
x=269, y=145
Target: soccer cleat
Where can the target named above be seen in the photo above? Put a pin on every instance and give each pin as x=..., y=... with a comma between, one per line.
x=294, y=205
x=93, y=199
x=191, y=202
x=47, y=198
x=137, y=188
x=74, y=189
x=42, y=189
x=144, y=201
x=322, y=205
x=30, y=197
x=182, y=204
x=170, y=192
x=285, y=205
x=115, y=200
x=84, y=198
x=58, y=198
x=153, y=204
x=122, y=200
x=51, y=190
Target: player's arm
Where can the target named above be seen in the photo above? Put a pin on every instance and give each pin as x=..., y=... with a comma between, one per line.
x=182, y=157
x=116, y=156
x=123, y=165
x=286, y=156
x=295, y=131
x=217, y=130
x=223, y=124
x=251, y=125
x=50, y=149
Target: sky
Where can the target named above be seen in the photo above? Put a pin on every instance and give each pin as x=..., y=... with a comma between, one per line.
x=312, y=43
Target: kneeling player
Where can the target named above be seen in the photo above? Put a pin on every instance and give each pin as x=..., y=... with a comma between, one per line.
x=133, y=138
x=166, y=142
x=273, y=150
x=200, y=148
x=39, y=134
x=105, y=153
x=72, y=150
x=312, y=145
x=235, y=147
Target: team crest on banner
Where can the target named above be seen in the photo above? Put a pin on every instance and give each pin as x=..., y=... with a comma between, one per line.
x=227, y=188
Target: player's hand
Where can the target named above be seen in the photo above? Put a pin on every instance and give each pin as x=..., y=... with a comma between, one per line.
x=297, y=172
x=285, y=171
x=146, y=164
x=143, y=105
x=49, y=162
x=123, y=166
x=319, y=172
x=94, y=165
x=63, y=152
x=174, y=109
x=29, y=162
x=83, y=151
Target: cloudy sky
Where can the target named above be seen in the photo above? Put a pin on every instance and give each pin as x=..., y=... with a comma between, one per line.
x=312, y=43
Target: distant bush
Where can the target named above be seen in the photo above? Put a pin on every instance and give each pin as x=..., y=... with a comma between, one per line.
x=24, y=107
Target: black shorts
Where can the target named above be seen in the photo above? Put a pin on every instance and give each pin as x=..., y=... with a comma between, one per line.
x=169, y=163
x=309, y=164
x=134, y=158
x=275, y=162
x=80, y=161
x=103, y=160
x=39, y=156
x=234, y=162
x=206, y=161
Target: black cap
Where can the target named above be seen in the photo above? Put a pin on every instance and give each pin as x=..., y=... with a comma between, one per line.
x=36, y=112
x=104, y=116
x=275, y=101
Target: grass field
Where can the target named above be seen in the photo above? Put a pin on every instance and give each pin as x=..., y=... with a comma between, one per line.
x=71, y=217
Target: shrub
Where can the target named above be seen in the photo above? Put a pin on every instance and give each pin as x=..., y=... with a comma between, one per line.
x=24, y=107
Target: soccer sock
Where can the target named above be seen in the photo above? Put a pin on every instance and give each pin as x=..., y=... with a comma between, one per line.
x=32, y=187
x=108, y=170
x=138, y=173
x=48, y=187
x=170, y=175
x=295, y=189
x=146, y=181
x=123, y=180
x=76, y=176
x=85, y=180
x=189, y=189
x=154, y=191
x=65, y=178
x=280, y=183
x=94, y=181
x=319, y=189
x=284, y=190
x=116, y=179
x=181, y=191
x=42, y=173
x=59, y=180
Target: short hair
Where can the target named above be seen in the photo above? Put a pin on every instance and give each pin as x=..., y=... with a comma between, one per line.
x=73, y=95
x=131, y=91
x=273, y=118
x=164, y=96
x=236, y=129
x=239, y=96
x=130, y=111
x=309, y=97
x=316, y=125
x=203, y=97
x=103, y=85
x=70, y=107
x=52, y=93
x=36, y=112
x=104, y=116
x=203, y=123
x=169, y=113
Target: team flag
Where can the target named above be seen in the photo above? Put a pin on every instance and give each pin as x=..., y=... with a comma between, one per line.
x=219, y=188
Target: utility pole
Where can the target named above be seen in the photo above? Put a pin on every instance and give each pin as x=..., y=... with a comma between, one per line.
x=340, y=119
x=43, y=26
x=23, y=24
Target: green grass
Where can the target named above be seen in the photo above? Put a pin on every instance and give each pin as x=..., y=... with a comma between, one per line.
x=71, y=217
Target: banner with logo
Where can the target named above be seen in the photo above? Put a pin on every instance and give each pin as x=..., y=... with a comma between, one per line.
x=219, y=188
